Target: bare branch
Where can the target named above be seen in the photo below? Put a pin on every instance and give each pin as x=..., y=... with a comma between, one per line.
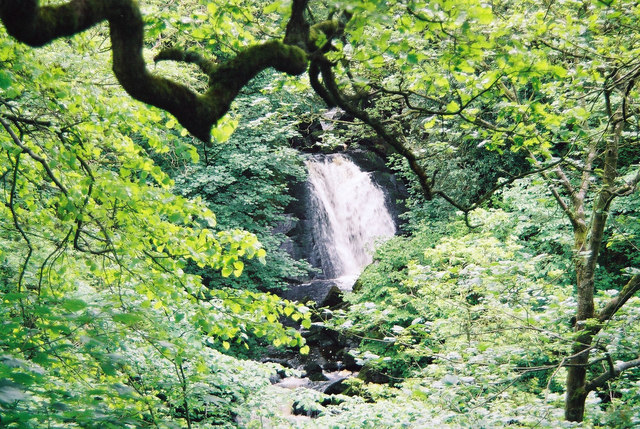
x=629, y=187
x=575, y=222
x=565, y=182
x=606, y=195
x=629, y=290
x=613, y=372
x=33, y=155
x=405, y=95
x=28, y=121
x=16, y=221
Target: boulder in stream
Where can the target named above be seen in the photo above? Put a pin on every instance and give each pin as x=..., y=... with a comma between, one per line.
x=325, y=293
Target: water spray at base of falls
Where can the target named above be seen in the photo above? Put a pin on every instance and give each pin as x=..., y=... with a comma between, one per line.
x=348, y=215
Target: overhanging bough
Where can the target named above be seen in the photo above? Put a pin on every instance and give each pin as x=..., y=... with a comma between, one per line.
x=37, y=25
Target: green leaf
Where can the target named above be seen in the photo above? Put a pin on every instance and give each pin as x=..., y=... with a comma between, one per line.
x=226, y=271
x=272, y=7
x=226, y=126
x=261, y=254
x=5, y=79
x=74, y=304
x=430, y=123
x=453, y=107
x=127, y=318
x=238, y=267
x=108, y=368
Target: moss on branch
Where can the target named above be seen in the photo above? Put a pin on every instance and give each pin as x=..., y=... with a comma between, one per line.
x=37, y=25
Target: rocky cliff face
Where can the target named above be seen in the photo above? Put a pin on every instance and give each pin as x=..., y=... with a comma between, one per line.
x=329, y=349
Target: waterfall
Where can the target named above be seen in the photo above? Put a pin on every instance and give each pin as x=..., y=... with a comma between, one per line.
x=348, y=214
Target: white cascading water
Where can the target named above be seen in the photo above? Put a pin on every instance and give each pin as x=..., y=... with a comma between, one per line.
x=348, y=216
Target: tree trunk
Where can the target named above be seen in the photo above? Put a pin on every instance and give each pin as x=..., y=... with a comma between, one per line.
x=577, y=368
x=587, y=247
x=576, y=394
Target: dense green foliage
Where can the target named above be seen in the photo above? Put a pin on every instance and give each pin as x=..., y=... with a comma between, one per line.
x=245, y=180
x=136, y=263
x=102, y=325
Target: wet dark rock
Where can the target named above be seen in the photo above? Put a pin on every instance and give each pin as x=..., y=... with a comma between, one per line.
x=332, y=366
x=348, y=361
x=274, y=379
x=333, y=298
x=335, y=387
x=277, y=377
x=314, y=371
x=357, y=286
x=325, y=342
x=325, y=293
x=328, y=350
x=367, y=160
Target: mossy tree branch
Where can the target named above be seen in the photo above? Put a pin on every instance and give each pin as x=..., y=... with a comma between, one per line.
x=37, y=25
x=297, y=32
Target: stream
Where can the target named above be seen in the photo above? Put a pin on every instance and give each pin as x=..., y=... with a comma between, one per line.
x=346, y=215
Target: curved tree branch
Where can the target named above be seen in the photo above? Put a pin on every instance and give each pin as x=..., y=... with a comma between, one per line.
x=297, y=32
x=328, y=90
x=335, y=97
x=37, y=25
x=629, y=290
x=613, y=372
